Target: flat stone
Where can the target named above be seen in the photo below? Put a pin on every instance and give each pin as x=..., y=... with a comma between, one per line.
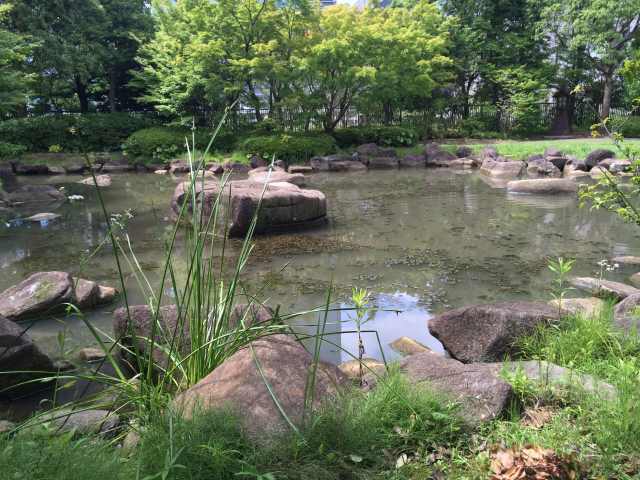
x=31, y=169
x=101, y=181
x=603, y=288
x=488, y=333
x=381, y=163
x=40, y=293
x=586, y=306
x=626, y=315
x=502, y=168
x=32, y=197
x=300, y=169
x=635, y=279
x=277, y=176
x=86, y=293
x=556, y=378
x=483, y=395
x=106, y=294
x=408, y=346
x=238, y=384
x=161, y=172
x=91, y=354
x=543, y=186
x=598, y=172
x=626, y=260
x=43, y=217
x=351, y=368
x=6, y=426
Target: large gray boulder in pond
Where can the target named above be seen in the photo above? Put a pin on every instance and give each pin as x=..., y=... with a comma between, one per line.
x=543, y=186
x=596, y=156
x=603, y=288
x=483, y=395
x=412, y=161
x=502, y=168
x=283, y=206
x=240, y=384
x=40, y=293
x=488, y=333
x=20, y=359
x=626, y=315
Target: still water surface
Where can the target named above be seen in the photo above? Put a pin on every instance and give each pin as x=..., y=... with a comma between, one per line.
x=421, y=241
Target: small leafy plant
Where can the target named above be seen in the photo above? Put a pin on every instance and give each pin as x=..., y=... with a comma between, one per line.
x=561, y=268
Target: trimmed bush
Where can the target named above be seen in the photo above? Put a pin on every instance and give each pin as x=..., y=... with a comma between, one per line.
x=392, y=136
x=11, y=150
x=290, y=147
x=92, y=132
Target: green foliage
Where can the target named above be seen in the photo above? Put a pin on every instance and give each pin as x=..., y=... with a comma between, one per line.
x=73, y=133
x=163, y=143
x=11, y=150
x=627, y=127
x=384, y=136
x=40, y=456
x=290, y=147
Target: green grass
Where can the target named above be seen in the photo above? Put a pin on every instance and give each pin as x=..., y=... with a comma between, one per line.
x=519, y=150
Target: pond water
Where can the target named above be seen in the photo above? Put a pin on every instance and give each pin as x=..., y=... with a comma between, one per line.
x=422, y=241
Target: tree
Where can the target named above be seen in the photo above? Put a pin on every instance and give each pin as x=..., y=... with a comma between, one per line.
x=601, y=30
x=14, y=51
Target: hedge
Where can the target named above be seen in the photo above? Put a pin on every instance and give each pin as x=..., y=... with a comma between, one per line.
x=390, y=136
x=72, y=133
x=11, y=151
x=628, y=127
x=293, y=148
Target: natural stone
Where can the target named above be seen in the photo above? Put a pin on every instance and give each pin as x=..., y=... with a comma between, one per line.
x=31, y=169
x=464, y=152
x=434, y=154
x=626, y=315
x=605, y=288
x=43, y=217
x=83, y=422
x=275, y=176
x=101, y=181
x=300, y=169
x=20, y=359
x=336, y=163
x=585, y=306
x=626, y=260
x=35, y=197
x=543, y=186
x=283, y=206
x=543, y=168
x=502, y=168
x=408, y=346
x=351, y=368
x=40, y=293
x=412, y=161
x=91, y=354
x=482, y=394
x=488, y=333
x=596, y=156
x=238, y=384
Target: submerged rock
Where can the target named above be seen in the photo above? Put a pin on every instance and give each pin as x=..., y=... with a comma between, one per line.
x=35, y=197
x=487, y=333
x=40, y=293
x=626, y=260
x=543, y=186
x=20, y=359
x=605, y=288
x=238, y=384
x=408, y=346
x=101, y=181
x=283, y=206
x=43, y=217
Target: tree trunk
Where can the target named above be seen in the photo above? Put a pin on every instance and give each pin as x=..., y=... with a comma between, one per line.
x=606, y=95
x=81, y=91
x=388, y=113
x=113, y=91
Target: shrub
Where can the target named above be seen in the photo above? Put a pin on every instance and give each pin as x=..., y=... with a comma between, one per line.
x=290, y=147
x=11, y=150
x=72, y=133
x=390, y=136
x=628, y=127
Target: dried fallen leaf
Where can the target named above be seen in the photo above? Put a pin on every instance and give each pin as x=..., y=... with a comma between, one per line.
x=531, y=463
x=537, y=417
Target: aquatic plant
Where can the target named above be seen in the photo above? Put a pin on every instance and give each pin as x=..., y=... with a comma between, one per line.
x=360, y=299
x=561, y=268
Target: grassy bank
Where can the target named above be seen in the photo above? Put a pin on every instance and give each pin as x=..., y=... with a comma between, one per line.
x=395, y=431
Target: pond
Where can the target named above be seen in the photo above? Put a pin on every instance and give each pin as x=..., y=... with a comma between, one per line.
x=420, y=240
